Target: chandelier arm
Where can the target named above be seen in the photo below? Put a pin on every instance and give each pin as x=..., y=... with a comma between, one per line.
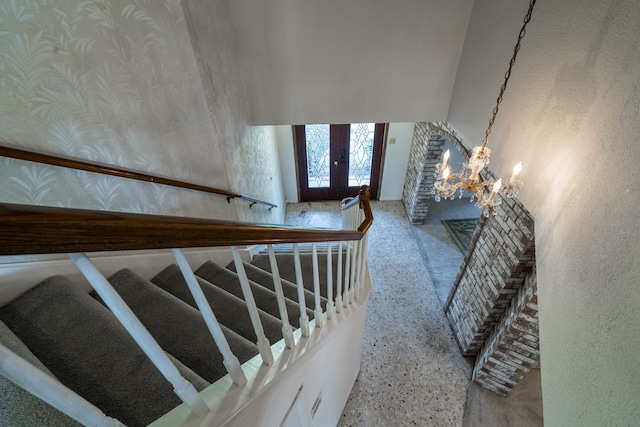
x=516, y=49
x=456, y=175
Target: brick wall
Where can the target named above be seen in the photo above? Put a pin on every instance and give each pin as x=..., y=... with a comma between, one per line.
x=486, y=319
x=494, y=268
x=512, y=348
x=426, y=151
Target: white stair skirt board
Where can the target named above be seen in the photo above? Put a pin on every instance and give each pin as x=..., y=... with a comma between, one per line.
x=326, y=364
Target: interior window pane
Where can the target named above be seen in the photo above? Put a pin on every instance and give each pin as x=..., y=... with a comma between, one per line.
x=318, y=161
x=360, y=153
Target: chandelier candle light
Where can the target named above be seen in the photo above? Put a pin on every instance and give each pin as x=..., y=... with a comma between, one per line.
x=468, y=179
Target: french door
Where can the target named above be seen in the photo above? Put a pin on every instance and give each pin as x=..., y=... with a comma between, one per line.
x=334, y=161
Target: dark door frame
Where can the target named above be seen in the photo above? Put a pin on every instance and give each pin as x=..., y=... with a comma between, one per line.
x=339, y=140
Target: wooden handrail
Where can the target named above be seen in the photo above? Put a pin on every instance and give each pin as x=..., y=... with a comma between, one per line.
x=43, y=230
x=16, y=153
x=365, y=204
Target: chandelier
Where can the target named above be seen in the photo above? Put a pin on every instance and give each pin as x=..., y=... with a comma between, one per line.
x=468, y=179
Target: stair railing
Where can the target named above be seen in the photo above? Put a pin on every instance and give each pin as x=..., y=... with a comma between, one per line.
x=83, y=165
x=42, y=230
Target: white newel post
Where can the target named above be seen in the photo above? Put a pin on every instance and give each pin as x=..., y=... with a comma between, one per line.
x=263, y=343
x=183, y=388
x=304, y=319
x=317, y=312
x=51, y=391
x=230, y=361
x=287, y=330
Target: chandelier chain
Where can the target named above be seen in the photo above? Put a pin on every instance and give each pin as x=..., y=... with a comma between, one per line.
x=516, y=49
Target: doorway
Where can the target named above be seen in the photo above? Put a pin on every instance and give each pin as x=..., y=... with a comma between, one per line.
x=334, y=161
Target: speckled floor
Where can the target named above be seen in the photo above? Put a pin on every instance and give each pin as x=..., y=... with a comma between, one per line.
x=412, y=372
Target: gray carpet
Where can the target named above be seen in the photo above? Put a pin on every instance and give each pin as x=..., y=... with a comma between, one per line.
x=265, y=298
x=230, y=310
x=88, y=350
x=32, y=411
x=287, y=270
x=289, y=289
x=177, y=327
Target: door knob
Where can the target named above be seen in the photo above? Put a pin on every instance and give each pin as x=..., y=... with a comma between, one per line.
x=335, y=164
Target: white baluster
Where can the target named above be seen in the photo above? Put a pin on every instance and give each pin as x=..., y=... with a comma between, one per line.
x=51, y=391
x=339, y=277
x=263, y=343
x=331, y=309
x=347, y=282
x=352, y=279
x=183, y=388
x=287, y=330
x=230, y=361
x=359, y=257
x=365, y=240
x=317, y=312
x=304, y=319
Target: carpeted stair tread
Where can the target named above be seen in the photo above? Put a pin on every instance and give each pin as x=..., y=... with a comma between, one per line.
x=230, y=310
x=19, y=408
x=286, y=267
x=177, y=327
x=264, y=278
x=87, y=349
x=265, y=298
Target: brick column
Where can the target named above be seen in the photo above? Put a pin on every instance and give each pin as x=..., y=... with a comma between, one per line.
x=425, y=153
x=493, y=271
x=512, y=348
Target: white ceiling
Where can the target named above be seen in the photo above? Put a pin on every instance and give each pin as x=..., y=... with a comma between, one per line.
x=348, y=61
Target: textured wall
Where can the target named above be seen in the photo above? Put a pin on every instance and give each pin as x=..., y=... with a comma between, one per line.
x=250, y=153
x=117, y=82
x=255, y=170
x=571, y=113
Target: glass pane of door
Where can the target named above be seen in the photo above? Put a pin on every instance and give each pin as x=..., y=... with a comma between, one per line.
x=318, y=159
x=360, y=153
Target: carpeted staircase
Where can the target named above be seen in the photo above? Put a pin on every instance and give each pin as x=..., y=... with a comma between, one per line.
x=72, y=336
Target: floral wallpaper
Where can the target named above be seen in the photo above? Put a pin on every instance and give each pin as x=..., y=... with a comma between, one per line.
x=254, y=165
x=117, y=82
